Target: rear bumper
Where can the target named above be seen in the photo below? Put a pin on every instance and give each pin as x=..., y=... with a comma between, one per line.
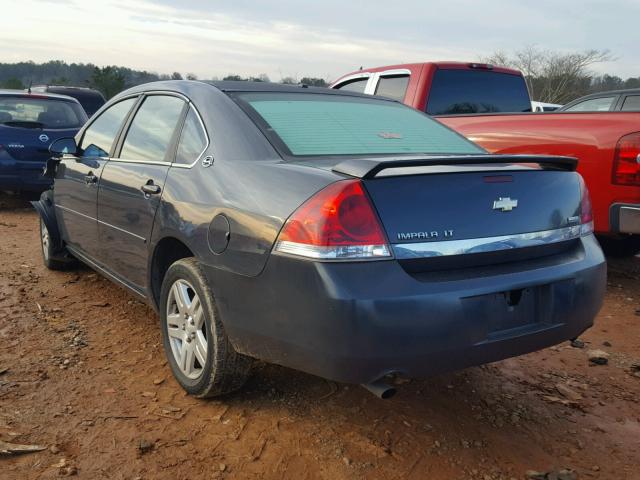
x=625, y=218
x=22, y=175
x=355, y=322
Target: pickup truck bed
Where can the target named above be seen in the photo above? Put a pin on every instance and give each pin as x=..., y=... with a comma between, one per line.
x=590, y=137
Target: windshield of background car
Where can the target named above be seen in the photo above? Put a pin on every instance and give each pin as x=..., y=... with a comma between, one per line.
x=34, y=112
x=303, y=124
x=457, y=91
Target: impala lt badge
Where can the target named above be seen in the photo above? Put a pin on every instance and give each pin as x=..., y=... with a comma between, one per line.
x=425, y=235
x=505, y=204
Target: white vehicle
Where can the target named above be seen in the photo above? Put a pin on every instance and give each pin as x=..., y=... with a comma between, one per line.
x=544, y=107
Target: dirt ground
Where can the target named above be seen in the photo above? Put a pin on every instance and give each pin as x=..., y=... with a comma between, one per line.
x=83, y=373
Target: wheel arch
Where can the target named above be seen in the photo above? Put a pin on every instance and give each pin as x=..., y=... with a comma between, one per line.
x=166, y=251
x=46, y=209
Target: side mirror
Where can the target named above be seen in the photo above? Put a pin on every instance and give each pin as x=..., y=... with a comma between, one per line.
x=63, y=146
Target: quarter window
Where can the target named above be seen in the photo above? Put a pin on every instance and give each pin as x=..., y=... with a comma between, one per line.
x=631, y=104
x=393, y=87
x=99, y=136
x=152, y=129
x=193, y=140
x=357, y=85
x=602, y=104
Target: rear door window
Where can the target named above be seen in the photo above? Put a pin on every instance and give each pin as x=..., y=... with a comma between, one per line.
x=152, y=129
x=602, y=104
x=393, y=86
x=459, y=91
x=631, y=104
x=99, y=136
x=193, y=140
x=358, y=85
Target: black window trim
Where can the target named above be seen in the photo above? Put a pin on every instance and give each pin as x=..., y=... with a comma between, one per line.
x=616, y=104
x=171, y=148
x=206, y=136
x=358, y=77
x=623, y=99
x=114, y=143
x=389, y=74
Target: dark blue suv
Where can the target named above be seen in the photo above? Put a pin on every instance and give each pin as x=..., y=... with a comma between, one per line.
x=28, y=125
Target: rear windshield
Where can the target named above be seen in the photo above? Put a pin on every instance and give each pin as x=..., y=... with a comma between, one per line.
x=90, y=101
x=477, y=91
x=34, y=112
x=302, y=124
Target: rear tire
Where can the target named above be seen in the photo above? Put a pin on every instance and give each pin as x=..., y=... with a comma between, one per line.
x=202, y=359
x=53, y=259
x=619, y=247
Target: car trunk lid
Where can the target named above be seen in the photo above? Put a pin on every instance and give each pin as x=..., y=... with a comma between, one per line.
x=24, y=141
x=507, y=208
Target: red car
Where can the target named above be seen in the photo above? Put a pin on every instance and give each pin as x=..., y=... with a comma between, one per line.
x=606, y=143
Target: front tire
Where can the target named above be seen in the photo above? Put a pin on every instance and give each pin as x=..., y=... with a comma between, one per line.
x=52, y=258
x=202, y=359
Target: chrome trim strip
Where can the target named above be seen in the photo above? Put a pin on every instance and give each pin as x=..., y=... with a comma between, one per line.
x=406, y=251
x=144, y=240
x=348, y=252
x=66, y=209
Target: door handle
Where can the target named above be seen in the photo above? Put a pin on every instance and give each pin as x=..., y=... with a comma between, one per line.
x=90, y=178
x=151, y=189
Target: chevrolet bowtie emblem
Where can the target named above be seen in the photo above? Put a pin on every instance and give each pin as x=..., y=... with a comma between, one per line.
x=505, y=204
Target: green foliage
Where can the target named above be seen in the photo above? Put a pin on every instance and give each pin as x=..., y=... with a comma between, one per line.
x=176, y=76
x=234, y=78
x=109, y=80
x=57, y=72
x=314, y=82
x=13, y=83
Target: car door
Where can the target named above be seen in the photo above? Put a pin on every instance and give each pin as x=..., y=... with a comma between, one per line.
x=77, y=176
x=131, y=186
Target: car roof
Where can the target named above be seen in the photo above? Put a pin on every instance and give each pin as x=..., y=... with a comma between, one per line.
x=70, y=88
x=23, y=93
x=610, y=92
x=186, y=86
x=445, y=65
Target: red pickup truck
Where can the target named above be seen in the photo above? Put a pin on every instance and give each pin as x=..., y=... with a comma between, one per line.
x=606, y=143
x=442, y=88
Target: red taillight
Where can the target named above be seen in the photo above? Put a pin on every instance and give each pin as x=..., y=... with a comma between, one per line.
x=626, y=162
x=586, y=212
x=336, y=223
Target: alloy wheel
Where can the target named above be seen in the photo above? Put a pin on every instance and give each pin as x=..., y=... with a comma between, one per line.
x=46, y=240
x=187, y=329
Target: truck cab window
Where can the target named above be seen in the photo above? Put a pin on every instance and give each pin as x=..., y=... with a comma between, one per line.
x=358, y=85
x=393, y=87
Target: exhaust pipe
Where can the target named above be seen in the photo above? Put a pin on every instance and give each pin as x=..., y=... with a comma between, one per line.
x=380, y=389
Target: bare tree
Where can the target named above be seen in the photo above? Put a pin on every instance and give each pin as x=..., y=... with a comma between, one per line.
x=552, y=76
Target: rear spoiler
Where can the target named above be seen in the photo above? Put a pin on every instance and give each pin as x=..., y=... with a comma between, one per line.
x=367, y=168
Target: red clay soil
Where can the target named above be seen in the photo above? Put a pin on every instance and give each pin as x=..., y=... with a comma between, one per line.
x=83, y=373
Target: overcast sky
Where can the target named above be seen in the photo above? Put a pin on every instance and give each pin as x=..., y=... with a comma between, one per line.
x=325, y=38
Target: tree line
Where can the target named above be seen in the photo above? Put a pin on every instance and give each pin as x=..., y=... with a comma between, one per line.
x=109, y=80
x=559, y=77
x=554, y=77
